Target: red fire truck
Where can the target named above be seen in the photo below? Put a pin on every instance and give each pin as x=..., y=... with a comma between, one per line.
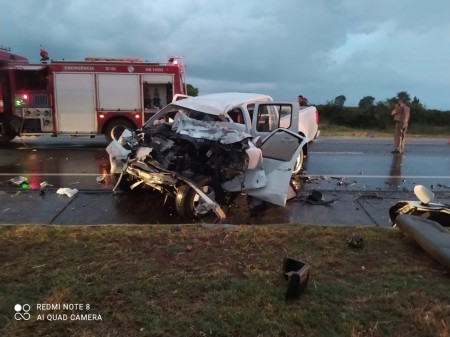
x=83, y=98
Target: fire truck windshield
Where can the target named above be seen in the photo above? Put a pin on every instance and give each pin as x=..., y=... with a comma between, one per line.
x=31, y=80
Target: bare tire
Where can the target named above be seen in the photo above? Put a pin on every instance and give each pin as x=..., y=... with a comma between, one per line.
x=299, y=163
x=115, y=128
x=189, y=204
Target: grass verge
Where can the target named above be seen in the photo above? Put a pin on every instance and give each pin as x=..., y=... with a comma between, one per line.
x=192, y=281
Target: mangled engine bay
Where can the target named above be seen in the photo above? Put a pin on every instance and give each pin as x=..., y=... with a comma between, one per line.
x=185, y=158
x=196, y=150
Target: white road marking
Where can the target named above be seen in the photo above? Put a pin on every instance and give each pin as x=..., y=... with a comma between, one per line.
x=325, y=176
x=338, y=153
x=50, y=174
x=338, y=176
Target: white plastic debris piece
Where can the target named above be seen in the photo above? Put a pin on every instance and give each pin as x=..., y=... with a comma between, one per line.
x=143, y=152
x=19, y=180
x=45, y=184
x=100, y=179
x=67, y=191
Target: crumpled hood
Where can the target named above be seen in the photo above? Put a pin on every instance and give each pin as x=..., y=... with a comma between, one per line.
x=218, y=104
x=224, y=132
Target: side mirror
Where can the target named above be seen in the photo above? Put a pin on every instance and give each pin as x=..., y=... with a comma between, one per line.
x=423, y=194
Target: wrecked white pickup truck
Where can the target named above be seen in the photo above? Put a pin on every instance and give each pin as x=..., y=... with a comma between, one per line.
x=202, y=151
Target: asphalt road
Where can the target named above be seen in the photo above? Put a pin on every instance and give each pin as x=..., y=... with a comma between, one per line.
x=364, y=163
x=360, y=174
x=361, y=163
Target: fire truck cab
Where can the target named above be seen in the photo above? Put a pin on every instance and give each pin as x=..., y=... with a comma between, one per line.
x=83, y=98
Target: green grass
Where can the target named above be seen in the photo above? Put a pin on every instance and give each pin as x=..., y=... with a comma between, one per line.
x=192, y=281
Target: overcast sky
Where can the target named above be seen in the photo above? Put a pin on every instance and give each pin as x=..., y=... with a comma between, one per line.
x=318, y=48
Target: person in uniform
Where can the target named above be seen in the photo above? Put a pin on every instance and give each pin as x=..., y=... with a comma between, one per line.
x=401, y=113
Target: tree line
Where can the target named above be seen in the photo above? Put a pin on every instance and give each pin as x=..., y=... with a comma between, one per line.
x=376, y=116
x=371, y=115
x=368, y=101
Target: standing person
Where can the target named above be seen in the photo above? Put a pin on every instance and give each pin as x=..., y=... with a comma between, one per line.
x=156, y=99
x=401, y=114
x=302, y=101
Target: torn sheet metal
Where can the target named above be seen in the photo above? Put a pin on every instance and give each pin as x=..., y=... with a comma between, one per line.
x=100, y=179
x=19, y=180
x=45, y=184
x=216, y=104
x=216, y=131
x=118, y=156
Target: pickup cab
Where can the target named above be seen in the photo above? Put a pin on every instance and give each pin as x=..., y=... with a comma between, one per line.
x=239, y=108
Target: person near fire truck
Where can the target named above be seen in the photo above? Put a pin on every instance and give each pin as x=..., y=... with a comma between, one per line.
x=156, y=99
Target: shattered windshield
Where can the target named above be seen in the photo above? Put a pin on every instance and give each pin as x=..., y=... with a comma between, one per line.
x=167, y=116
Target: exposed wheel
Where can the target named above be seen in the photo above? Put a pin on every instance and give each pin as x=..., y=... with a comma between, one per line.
x=189, y=204
x=115, y=128
x=299, y=163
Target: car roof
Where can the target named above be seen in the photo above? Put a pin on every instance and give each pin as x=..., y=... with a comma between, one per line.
x=219, y=103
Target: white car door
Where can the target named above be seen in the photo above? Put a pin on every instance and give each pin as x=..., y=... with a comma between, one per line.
x=280, y=150
x=268, y=116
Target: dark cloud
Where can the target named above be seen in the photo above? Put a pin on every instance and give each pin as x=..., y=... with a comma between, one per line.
x=321, y=48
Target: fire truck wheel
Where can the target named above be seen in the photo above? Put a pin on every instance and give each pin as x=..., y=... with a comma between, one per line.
x=114, y=128
x=6, y=133
x=189, y=204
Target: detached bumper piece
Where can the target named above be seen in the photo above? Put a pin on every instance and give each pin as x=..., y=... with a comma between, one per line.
x=430, y=235
x=296, y=273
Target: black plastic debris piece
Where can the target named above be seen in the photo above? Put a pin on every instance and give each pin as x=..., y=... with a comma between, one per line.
x=355, y=240
x=296, y=273
x=316, y=198
x=294, y=289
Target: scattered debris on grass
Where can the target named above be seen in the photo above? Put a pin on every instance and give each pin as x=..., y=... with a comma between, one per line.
x=296, y=273
x=355, y=240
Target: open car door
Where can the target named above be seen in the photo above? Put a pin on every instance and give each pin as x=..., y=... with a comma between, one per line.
x=280, y=150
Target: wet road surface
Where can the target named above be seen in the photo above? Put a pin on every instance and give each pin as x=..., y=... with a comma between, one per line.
x=360, y=174
x=61, y=162
x=367, y=164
